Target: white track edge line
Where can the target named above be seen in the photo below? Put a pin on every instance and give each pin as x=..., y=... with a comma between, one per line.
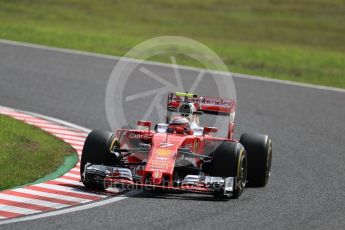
x=113, y=57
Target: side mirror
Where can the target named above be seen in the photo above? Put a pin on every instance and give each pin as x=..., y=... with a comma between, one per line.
x=161, y=128
x=145, y=124
x=210, y=130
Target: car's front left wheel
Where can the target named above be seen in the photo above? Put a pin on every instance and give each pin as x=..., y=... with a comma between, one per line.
x=230, y=160
x=259, y=153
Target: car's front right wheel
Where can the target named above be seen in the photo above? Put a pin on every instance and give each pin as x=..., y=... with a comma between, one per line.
x=96, y=150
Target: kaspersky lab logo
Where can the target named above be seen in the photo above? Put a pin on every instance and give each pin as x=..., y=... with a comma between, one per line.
x=138, y=89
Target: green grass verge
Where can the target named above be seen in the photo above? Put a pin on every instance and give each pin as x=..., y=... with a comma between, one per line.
x=300, y=40
x=28, y=153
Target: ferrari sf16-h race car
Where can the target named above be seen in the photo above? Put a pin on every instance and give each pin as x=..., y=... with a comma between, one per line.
x=179, y=155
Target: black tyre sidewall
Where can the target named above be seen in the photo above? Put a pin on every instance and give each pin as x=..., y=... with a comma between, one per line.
x=227, y=161
x=96, y=149
x=259, y=157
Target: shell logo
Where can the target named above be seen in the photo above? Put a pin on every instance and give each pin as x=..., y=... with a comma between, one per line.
x=163, y=152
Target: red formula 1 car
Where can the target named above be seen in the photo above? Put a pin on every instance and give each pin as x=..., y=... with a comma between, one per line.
x=179, y=155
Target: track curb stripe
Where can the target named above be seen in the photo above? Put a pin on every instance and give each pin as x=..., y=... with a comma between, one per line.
x=65, y=193
x=6, y=214
x=44, y=198
x=52, y=195
x=25, y=205
x=70, y=178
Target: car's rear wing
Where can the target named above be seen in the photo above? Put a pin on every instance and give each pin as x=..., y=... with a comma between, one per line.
x=208, y=105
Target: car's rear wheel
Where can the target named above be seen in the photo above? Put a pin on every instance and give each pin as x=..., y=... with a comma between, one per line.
x=96, y=150
x=230, y=160
x=259, y=154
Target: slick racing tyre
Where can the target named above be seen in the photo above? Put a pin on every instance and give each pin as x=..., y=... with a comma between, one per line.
x=96, y=150
x=259, y=157
x=230, y=160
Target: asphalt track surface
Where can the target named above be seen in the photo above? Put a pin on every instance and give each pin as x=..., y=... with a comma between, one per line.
x=307, y=187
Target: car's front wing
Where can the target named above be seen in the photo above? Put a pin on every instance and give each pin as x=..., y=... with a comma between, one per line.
x=122, y=178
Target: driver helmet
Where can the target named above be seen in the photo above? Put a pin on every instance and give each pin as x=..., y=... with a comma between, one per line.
x=180, y=125
x=179, y=120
